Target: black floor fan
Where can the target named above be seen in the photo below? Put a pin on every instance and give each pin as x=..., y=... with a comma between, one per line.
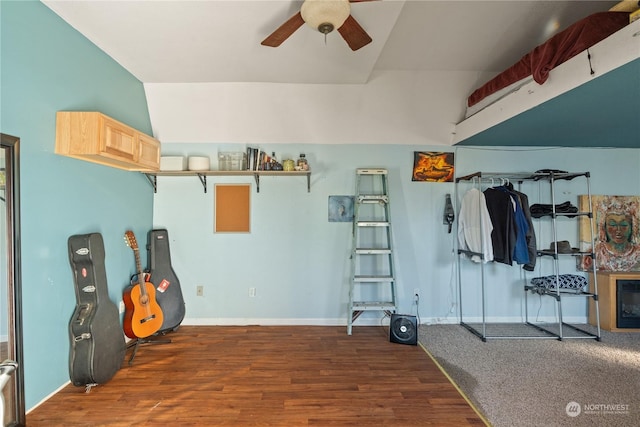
x=403, y=329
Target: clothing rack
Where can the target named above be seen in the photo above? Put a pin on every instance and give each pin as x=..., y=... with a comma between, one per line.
x=528, y=329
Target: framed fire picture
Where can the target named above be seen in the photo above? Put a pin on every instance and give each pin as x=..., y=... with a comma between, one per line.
x=433, y=166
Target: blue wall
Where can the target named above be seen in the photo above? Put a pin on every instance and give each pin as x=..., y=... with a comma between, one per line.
x=47, y=66
x=299, y=262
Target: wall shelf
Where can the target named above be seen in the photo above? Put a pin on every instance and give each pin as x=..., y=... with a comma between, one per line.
x=202, y=175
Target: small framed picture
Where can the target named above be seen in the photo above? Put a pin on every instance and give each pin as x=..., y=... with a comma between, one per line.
x=341, y=208
x=433, y=167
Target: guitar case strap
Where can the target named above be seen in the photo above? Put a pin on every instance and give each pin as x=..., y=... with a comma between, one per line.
x=164, y=279
x=96, y=337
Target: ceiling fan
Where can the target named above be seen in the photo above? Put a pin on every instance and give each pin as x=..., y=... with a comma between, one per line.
x=324, y=16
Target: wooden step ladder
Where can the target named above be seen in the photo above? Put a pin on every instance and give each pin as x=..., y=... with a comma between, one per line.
x=373, y=286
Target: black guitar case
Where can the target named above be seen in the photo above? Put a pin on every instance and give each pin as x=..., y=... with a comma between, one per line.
x=164, y=279
x=97, y=340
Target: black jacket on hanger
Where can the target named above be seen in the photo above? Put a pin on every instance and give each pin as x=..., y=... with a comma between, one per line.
x=503, y=236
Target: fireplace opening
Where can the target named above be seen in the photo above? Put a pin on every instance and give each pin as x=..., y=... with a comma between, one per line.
x=628, y=306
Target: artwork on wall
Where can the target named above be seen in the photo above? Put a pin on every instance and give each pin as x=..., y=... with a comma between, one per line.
x=341, y=208
x=616, y=233
x=433, y=166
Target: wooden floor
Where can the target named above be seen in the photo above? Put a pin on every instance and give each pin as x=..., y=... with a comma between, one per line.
x=267, y=376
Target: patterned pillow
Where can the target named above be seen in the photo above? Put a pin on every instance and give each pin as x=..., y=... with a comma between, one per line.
x=566, y=281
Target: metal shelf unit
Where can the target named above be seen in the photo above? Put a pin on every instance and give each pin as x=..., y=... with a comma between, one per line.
x=558, y=329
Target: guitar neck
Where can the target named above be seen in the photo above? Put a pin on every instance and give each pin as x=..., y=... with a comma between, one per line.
x=143, y=289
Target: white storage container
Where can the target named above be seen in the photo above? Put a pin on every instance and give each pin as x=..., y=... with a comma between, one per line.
x=173, y=163
x=198, y=163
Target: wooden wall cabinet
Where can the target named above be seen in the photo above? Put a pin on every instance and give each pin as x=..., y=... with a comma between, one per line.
x=149, y=152
x=607, y=288
x=97, y=138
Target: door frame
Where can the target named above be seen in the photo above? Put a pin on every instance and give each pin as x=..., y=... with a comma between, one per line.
x=11, y=145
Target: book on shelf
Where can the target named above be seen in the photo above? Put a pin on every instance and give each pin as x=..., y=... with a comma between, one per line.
x=257, y=159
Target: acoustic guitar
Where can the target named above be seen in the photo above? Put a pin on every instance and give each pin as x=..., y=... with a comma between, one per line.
x=143, y=315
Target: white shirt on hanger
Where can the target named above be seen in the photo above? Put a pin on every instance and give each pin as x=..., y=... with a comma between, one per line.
x=474, y=226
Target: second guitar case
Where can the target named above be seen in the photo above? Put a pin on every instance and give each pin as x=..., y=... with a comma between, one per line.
x=164, y=279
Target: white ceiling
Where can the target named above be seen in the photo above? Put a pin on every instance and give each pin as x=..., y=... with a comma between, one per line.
x=219, y=41
x=216, y=41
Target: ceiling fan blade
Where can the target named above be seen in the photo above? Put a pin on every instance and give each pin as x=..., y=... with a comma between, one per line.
x=284, y=31
x=355, y=36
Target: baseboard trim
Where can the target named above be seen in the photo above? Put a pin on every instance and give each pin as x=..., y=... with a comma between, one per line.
x=212, y=321
x=384, y=321
x=48, y=397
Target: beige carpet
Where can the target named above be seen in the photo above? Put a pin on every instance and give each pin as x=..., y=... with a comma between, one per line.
x=525, y=382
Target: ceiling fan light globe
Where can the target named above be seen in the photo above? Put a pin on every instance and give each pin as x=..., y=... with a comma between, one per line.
x=320, y=14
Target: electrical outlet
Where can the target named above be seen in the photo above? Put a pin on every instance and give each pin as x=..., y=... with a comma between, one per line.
x=252, y=292
x=121, y=307
x=200, y=290
x=416, y=292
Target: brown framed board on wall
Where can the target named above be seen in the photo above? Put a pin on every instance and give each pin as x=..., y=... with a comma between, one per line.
x=232, y=207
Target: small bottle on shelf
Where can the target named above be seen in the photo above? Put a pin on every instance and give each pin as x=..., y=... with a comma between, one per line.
x=275, y=166
x=302, y=163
